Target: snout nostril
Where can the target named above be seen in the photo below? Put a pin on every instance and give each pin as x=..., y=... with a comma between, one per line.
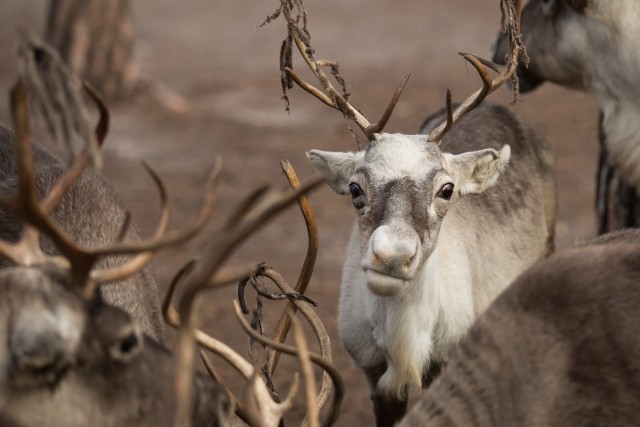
x=408, y=261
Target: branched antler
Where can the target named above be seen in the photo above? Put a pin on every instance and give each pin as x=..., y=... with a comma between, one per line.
x=298, y=35
x=76, y=261
x=258, y=408
x=511, y=25
x=254, y=212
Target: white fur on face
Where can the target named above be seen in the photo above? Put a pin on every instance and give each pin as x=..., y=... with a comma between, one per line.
x=403, y=283
x=397, y=156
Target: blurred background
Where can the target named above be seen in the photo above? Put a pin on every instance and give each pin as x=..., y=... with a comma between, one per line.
x=208, y=84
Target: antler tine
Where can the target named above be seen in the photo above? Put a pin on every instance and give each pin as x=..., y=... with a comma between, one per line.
x=488, y=85
x=378, y=127
x=330, y=96
x=214, y=255
x=313, y=412
x=284, y=322
x=82, y=160
x=269, y=411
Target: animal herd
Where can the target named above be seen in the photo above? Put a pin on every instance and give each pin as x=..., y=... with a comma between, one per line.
x=453, y=297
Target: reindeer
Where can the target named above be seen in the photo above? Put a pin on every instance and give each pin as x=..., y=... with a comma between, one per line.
x=443, y=224
x=91, y=211
x=72, y=362
x=559, y=347
x=592, y=45
x=69, y=358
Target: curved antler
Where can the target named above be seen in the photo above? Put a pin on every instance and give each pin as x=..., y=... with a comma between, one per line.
x=511, y=23
x=328, y=95
x=76, y=260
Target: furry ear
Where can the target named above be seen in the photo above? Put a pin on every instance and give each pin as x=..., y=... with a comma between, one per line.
x=476, y=171
x=337, y=168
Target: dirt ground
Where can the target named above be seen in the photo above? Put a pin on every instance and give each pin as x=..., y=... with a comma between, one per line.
x=212, y=54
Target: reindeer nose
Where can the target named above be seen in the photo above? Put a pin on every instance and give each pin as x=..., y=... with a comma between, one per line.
x=393, y=250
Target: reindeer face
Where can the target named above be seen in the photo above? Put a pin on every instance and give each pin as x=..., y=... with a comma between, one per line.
x=84, y=362
x=402, y=187
x=555, y=33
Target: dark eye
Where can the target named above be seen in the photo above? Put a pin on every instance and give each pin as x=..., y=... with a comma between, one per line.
x=129, y=343
x=359, y=201
x=355, y=190
x=446, y=191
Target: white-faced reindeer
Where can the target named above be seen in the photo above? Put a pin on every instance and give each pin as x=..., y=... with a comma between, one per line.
x=443, y=225
x=592, y=45
x=558, y=348
x=68, y=358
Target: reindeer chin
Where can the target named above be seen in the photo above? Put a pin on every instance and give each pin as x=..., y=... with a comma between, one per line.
x=383, y=285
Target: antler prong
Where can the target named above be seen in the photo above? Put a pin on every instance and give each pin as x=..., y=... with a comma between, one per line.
x=311, y=397
x=329, y=95
x=488, y=85
x=284, y=322
x=377, y=127
x=309, y=88
x=495, y=67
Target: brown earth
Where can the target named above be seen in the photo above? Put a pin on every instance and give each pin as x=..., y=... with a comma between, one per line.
x=211, y=52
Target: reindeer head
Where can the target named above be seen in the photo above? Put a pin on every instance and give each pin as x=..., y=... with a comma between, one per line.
x=85, y=363
x=557, y=35
x=402, y=187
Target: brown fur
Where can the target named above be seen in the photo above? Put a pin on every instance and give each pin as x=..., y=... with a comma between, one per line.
x=92, y=212
x=559, y=348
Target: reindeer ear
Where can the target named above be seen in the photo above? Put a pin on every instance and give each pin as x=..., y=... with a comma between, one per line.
x=337, y=168
x=476, y=171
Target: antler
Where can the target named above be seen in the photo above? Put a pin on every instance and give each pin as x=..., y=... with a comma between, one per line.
x=511, y=24
x=260, y=409
x=328, y=95
x=76, y=260
x=254, y=212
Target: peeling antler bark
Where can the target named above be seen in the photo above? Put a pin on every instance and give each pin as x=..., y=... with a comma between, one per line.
x=328, y=95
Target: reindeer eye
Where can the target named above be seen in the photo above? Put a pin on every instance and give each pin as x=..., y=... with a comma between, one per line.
x=359, y=201
x=355, y=190
x=446, y=191
x=129, y=343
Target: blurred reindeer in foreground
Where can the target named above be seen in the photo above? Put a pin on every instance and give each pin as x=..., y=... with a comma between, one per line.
x=593, y=45
x=558, y=348
x=90, y=211
x=444, y=223
x=73, y=360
